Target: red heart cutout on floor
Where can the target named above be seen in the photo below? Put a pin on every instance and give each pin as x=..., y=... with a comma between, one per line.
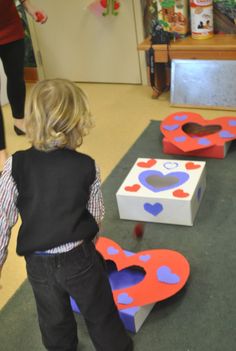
x=192, y=165
x=147, y=164
x=132, y=188
x=166, y=272
x=180, y=193
x=190, y=131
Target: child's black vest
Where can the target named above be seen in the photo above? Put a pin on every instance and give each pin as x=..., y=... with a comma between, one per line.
x=53, y=193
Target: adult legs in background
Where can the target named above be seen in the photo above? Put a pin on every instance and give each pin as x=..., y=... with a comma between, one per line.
x=12, y=56
x=3, y=152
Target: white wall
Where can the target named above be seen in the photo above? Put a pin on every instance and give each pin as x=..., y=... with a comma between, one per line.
x=3, y=82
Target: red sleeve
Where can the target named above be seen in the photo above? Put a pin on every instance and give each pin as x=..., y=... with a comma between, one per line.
x=11, y=28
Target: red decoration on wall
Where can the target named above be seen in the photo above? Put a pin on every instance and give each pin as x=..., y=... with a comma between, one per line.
x=111, y=7
x=103, y=3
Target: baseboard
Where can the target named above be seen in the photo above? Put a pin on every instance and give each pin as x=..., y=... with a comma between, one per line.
x=31, y=74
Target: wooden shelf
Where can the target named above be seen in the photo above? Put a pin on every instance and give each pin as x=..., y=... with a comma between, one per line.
x=219, y=47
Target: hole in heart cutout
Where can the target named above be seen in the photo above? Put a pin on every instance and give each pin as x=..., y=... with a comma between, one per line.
x=195, y=130
x=157, y=181
x=161, y=182
x=124, y=278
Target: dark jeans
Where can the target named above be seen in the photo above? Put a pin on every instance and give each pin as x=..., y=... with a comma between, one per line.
x=12, y=56
x=80, y=274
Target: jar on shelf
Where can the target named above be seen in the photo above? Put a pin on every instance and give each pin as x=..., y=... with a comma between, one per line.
x=201, y=19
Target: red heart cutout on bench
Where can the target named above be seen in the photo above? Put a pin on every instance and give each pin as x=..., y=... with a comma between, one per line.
x=166, y=272
x=190, y=131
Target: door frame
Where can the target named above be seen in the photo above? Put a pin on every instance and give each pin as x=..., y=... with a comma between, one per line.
x=139, y=23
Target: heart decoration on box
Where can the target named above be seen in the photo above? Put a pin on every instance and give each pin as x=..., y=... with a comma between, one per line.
x=147, y=164
x=157, y=181
x=132, y=188
x=192, y=165
x=166, y=272
x=153, y=209
x=190, y=131
x=180, y=193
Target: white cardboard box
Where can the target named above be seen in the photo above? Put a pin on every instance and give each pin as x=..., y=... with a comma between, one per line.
x=162, y=191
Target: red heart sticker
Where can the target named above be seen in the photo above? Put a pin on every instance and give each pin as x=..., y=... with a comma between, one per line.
x=180, y=193
x=132, y=188
x=166, y=272
x=147, y=164
x=190, y=131
x=192, y=165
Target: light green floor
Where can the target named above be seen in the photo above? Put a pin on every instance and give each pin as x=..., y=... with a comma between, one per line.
x=121, y=112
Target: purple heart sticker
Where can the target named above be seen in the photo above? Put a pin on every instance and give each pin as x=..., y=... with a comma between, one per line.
x=164, y=275
x=226, y=134
x=112, y=250
x=180, y=118
x=128, y=253
x=180, y=139
x=125, y=299
x=232, y=123
x=171, y=127
x=153, y=209
x=204, y=141
x=145, y=258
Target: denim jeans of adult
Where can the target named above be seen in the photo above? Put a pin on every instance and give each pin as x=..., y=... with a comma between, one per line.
x=80, y=274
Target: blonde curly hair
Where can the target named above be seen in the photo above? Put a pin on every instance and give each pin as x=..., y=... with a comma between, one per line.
x=57, y=115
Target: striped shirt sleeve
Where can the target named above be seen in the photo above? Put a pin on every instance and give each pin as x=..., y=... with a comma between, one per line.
x=96, y=204
x=8, y=209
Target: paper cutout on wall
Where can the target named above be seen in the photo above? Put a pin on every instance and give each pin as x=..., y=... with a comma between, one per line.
x=105, y=7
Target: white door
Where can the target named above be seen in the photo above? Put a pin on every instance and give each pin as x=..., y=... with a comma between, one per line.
x=79, y=44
